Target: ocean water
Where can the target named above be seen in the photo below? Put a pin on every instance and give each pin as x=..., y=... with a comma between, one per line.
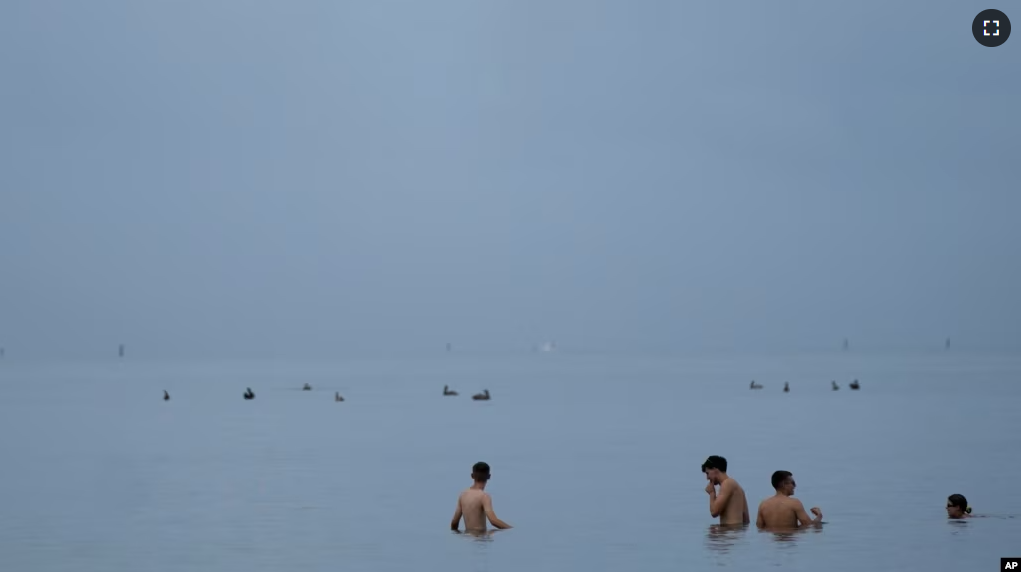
x=595, y=462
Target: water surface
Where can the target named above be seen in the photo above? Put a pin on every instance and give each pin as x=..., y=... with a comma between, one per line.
x=595, y=461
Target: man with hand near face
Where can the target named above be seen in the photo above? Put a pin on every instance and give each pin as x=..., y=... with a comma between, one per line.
x=730, y=503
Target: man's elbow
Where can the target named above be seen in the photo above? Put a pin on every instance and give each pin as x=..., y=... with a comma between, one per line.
x=714, y=513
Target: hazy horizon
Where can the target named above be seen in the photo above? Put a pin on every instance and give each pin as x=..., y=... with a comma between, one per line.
x=294, y=179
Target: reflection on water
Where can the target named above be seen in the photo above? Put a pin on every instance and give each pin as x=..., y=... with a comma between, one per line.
x=788, y=536
x=478, y=535
x=723, y=537
x=959, y=525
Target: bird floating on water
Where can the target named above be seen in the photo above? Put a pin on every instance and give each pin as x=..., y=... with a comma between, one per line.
x=484, y=396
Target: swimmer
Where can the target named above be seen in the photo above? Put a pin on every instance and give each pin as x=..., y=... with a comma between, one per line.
x=957, y=507
x=475, y=504
x=730, y=504
x=783, y=510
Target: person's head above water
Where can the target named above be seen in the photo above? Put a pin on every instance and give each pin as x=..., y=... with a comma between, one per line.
x=957, y=507
x=783, y=482
x=480, y=472
x=713, y=467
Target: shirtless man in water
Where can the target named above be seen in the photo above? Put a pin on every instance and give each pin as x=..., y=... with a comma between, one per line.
x=730, y=504
x=475, y=504
x=783, y=510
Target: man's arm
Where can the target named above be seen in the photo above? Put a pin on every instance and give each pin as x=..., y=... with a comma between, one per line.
x=744, y=516
x=759, y=521
x=487, y=505
x=803, y=518
x=717, y=504
x=456, y=521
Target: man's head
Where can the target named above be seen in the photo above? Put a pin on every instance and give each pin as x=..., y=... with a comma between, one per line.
x=783, y=482
x=480, y=472
x=713, y=467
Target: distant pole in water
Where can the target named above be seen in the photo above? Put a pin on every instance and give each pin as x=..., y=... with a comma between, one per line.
x=448, y=346
x=845, y=344
x=2, y=350
x=121, y=351
x=948, y=346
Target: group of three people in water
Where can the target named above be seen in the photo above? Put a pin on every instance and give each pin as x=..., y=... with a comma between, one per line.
x=780, y=511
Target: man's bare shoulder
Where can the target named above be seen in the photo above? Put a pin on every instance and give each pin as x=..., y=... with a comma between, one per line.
x=731, y=484
x=470, y=494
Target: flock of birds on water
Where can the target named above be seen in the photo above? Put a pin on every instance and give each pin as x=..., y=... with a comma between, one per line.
x=787, y=386
x=249, y=394
x=484, y=396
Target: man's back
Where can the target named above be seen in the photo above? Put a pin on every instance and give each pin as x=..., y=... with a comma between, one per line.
x=473, y=508
x=779, y=512
x=475, y=504
x=736, y=511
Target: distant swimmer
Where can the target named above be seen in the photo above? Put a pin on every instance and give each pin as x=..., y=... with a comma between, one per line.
x=447, y=391
x=166, y=396
x=249, y=394
x=756, y=385
x=475, y=505
x=957, y=507
x=306, y=387
x=337, y=397
x=786, y=388
x=783, y=510
x=835, y=386
x=730, y=504
x=484, y=396
x=854, y=384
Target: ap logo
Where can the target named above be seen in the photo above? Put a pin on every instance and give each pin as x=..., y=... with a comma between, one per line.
x=1011, y=564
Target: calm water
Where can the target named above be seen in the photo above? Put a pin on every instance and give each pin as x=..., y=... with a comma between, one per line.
x=595, y=461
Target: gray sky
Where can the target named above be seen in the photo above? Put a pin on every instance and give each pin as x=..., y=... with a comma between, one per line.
x=319, y=177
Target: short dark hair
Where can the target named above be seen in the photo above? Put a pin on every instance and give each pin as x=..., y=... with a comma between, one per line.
x=715, y=462
x=779, y=477
x=480, y=471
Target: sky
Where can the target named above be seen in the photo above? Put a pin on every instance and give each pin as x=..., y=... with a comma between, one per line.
x=315, y=178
